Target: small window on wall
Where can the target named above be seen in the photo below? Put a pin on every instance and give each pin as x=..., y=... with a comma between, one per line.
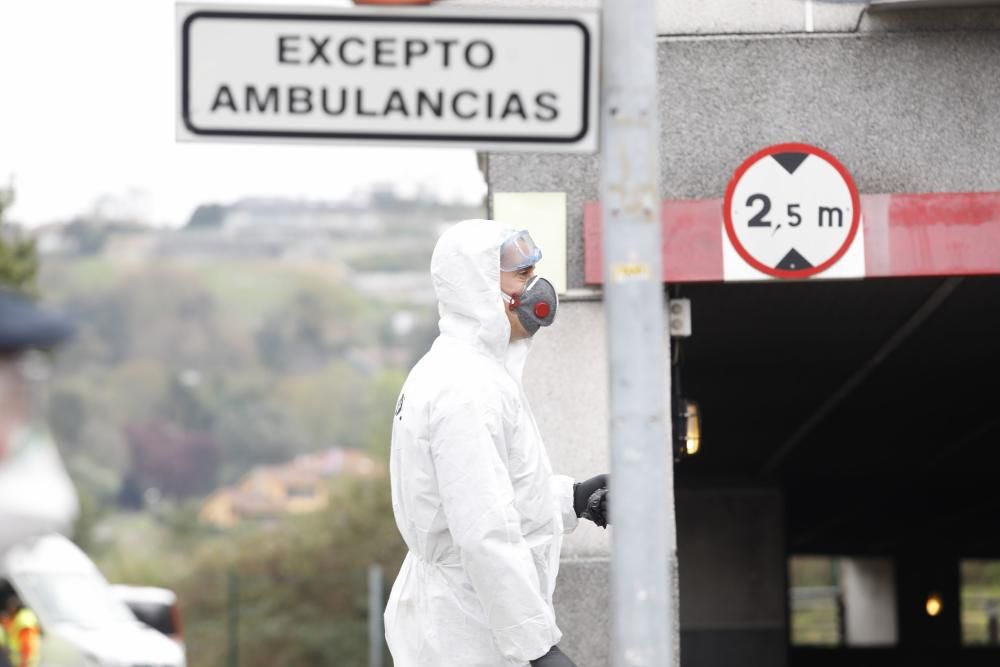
x=838, y=601
x=814, y=601
x=980, y=602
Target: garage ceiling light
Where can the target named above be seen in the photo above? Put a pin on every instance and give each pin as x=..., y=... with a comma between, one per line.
x=688, y=430
x=934, y=605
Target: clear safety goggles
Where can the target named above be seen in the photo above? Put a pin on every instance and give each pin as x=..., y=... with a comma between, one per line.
x=519, y=251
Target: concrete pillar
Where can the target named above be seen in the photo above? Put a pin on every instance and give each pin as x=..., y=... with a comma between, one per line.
x=869, y=589
x=733, y=571
x=566, y=382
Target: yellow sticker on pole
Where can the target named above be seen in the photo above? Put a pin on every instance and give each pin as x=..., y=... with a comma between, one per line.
x=630, y=271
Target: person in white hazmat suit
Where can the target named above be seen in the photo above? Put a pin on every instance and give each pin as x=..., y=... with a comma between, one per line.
x=473, y=491
x=36, y=494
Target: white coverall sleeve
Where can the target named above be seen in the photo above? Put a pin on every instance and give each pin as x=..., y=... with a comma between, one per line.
x=477, y=498
x=562, y=493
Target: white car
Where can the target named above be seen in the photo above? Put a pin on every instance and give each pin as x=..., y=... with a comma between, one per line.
x=84, y=624
x=156, y=607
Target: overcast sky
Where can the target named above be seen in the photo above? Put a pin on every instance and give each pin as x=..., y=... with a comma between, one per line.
x=88, y=107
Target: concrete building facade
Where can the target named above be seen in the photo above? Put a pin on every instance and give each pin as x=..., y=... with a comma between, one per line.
x=908, y=101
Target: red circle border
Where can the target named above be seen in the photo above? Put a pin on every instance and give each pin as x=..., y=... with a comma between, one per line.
x=791, y=148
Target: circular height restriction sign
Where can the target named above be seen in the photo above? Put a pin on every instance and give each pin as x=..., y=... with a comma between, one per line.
x=792, y=210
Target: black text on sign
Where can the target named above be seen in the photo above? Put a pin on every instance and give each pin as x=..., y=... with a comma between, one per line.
x=433, y=77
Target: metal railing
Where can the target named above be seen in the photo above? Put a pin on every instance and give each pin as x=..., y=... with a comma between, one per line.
x=817, y=616
x=981, y=618
x=270, y=620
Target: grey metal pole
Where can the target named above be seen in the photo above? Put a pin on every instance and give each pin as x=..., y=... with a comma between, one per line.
x=643, y=586
x=233, y=605
x=376, y=633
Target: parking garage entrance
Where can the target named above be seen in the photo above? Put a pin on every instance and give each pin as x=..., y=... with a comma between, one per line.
x=844, y=507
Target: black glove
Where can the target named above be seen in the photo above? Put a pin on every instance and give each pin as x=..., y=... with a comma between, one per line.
x=554, y=658
x=597, y=508
x=584, y=503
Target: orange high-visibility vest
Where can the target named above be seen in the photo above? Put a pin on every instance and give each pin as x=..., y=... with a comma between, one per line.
x=23, y=639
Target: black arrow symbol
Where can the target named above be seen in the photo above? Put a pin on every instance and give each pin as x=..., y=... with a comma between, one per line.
x=793, y=261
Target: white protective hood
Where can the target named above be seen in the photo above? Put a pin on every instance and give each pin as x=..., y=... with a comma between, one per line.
x=465, y=270
x=473, y=491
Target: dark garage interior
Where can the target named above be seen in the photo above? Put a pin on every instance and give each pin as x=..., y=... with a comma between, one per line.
x=853, y=419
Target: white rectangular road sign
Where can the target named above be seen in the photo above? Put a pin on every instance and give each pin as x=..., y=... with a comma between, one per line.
x=491, y=80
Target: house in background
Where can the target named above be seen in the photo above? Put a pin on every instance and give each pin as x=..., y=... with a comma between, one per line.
x=297, y=487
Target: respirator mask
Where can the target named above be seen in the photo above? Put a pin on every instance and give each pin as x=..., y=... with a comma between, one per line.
x=536, y=305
